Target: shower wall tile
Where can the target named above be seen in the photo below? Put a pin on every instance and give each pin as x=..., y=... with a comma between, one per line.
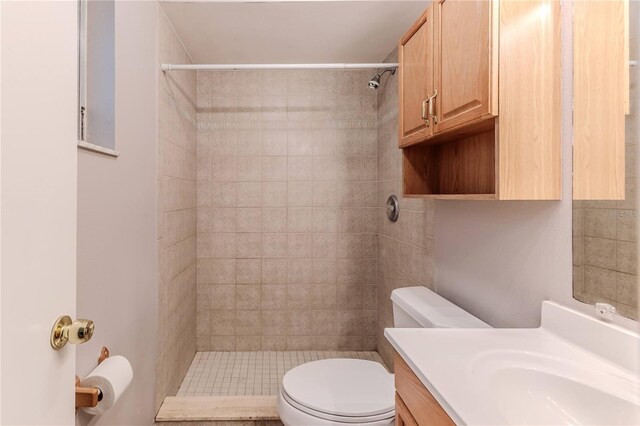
x=405, y=249
x=286, y=210
x=181, y=158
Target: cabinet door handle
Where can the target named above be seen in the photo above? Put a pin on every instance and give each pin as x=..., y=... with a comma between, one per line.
x=432, y=101
x=424, y=111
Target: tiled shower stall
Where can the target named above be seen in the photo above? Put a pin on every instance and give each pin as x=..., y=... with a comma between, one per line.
x=287, y=172
x=273, y=234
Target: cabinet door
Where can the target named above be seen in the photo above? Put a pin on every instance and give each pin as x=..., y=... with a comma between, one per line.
x=403, y=415
x=465, y=62
x=415, y=56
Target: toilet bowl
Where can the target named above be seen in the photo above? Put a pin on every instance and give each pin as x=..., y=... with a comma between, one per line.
x=352, y=392
x=337, y=392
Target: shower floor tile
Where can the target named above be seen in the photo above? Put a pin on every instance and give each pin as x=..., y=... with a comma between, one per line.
x=250, y=373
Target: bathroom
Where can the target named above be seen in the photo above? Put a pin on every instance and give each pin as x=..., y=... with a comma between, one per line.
x=206, y=188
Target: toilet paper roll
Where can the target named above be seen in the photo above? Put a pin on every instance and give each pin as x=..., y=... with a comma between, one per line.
x=112, y=376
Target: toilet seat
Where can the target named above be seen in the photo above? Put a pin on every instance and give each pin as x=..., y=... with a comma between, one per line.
x=341, y=390
x=336, y=418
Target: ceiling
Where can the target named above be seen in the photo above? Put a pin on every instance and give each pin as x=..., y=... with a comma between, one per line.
x=237, y=32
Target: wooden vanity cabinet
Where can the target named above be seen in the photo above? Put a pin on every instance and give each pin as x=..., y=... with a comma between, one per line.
x=414, y=403
x=494, y=112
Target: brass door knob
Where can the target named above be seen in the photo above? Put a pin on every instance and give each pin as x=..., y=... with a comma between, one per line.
x=66, y=331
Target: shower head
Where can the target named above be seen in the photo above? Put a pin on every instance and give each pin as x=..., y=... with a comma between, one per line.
x=374, y=83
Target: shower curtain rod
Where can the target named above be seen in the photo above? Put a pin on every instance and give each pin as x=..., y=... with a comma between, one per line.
x=189, y=67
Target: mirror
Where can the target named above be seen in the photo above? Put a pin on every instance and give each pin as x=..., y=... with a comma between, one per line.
x=605, y=232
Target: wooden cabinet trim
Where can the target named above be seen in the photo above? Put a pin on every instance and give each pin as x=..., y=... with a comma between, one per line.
x=417, y=399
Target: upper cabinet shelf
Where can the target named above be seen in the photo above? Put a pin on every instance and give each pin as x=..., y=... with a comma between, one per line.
x=479, y=101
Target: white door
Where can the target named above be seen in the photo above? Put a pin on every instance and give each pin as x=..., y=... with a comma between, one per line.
x=38, y=172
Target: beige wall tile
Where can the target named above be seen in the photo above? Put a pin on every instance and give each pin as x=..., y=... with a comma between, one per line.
x=300, y=194
x=627, y=257
x=627, y=289
x=274, y=168
x=300, y=219
x=299, y=245
x=223, y=219
x=249, y=194
x=600, y=282
x=325, y=245
x=280, y=197
x=299, y=271
x=600, y=252
x=250, y=142
x=274, y=142
x=248, y=297
x=222, y=322
x=274, y=271
x=224, y=168
x=299, y=168
x=599, y=223
x=274, y=245
x=223, y=271
x=222, y=296
x=249, y=245
x=182, y=186
x=248, y=271
x=274, y=194
x=223, y=143
x=223, y=245
x=249, y=168
x=222, y=194
x=627, y=225
x=273, y=297
x=249, y=219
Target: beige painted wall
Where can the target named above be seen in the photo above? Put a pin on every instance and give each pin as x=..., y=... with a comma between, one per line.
x=117, y=222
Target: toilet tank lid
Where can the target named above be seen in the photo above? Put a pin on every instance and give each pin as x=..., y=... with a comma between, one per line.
x=432, y=310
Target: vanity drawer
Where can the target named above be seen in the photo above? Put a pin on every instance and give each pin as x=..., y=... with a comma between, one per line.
x=413, y=396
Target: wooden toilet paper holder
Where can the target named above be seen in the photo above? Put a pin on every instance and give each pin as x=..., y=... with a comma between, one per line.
x=89, y=397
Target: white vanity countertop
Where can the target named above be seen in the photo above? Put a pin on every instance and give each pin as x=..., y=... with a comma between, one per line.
x=507, y=376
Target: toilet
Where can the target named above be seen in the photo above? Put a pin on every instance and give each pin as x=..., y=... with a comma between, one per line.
x=339, y=392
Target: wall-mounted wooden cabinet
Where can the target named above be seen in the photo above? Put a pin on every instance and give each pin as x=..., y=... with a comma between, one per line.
x=479, y=99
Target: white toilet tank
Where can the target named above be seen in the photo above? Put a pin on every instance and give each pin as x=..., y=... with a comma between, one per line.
x=419, y=307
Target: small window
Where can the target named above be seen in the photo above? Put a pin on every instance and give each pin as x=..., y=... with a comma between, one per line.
x=96, y=71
